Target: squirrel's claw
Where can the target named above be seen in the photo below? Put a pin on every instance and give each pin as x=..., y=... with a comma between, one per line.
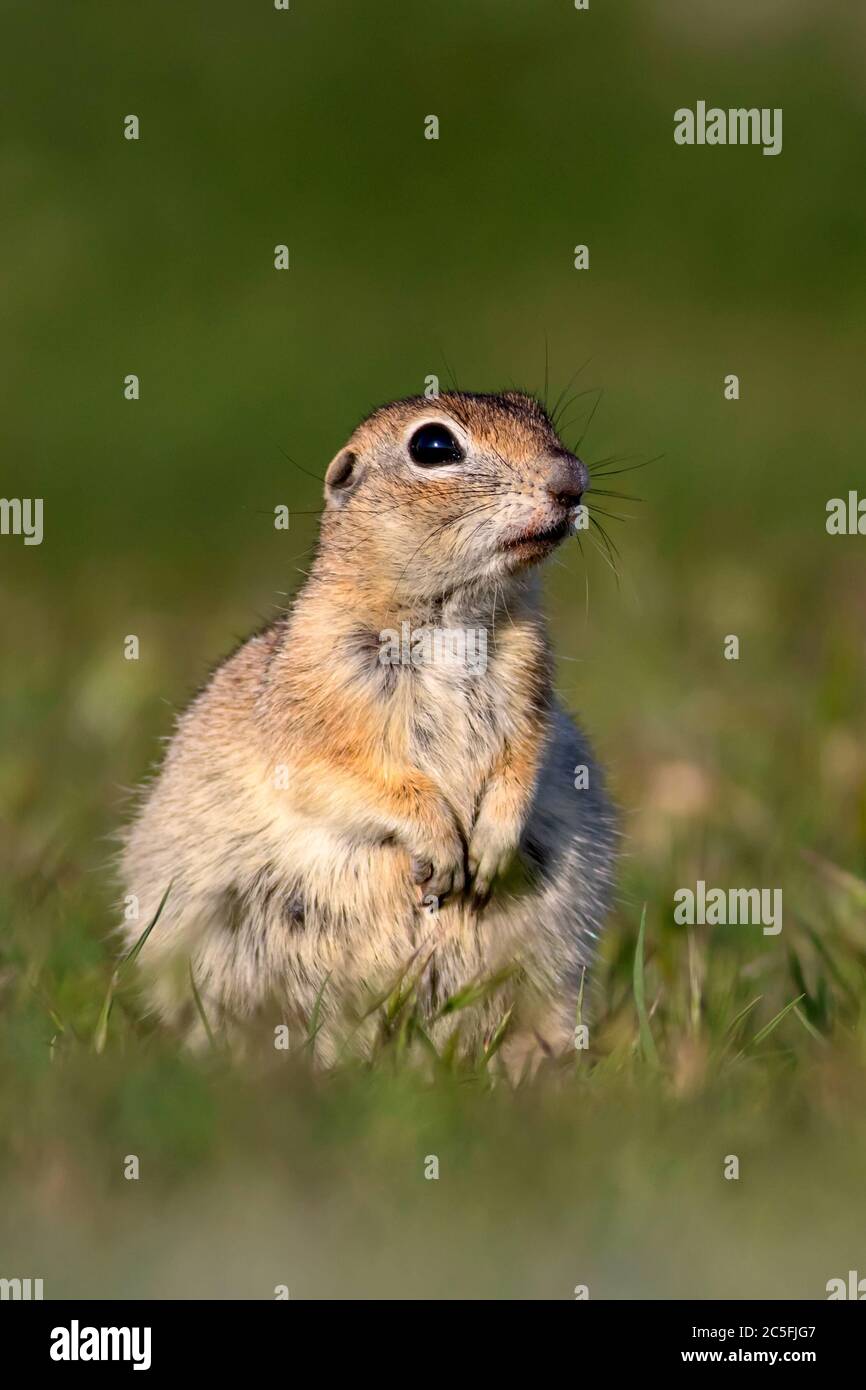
x=436, y=884
x=488, y=860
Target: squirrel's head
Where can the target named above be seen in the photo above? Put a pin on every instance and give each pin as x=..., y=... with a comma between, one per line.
x=438, y=494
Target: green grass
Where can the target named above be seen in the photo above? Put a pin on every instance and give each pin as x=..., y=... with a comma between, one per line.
x=607, y=1169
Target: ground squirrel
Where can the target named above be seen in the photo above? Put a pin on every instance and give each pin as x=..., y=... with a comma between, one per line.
x=341, y=803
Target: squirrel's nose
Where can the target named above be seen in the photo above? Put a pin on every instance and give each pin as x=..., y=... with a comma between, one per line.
x=567, y=480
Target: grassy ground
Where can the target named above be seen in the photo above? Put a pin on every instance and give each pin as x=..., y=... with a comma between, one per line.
x=609, y=1170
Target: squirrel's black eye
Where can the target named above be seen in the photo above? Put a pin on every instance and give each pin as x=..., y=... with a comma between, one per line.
x=433, y=444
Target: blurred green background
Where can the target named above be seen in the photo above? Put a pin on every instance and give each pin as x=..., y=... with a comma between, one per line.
x=411, y=257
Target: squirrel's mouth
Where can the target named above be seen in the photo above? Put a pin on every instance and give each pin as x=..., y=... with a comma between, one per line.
x=535, y=539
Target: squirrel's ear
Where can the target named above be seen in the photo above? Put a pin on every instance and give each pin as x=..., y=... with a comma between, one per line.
x=342, y=476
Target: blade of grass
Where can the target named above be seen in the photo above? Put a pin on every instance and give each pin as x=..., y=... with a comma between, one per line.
x=647, y=1042
x=426, y=1041
x=738, y=1018
x=810, y=1028
x=770, y=1027
x=50, y=1010
x=473, y=993
x=315, y=1025
x=100, y=1033
x=578, y=1016
x=694, y=985
x=498, y=1037
x=826, y=956
x=378, y=1000
x=200, y=1008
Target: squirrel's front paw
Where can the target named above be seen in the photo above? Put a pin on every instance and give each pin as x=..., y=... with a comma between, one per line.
x=439, y=873
x=491, y=850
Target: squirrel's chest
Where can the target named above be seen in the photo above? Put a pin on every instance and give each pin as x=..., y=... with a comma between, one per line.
x=455, y=723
